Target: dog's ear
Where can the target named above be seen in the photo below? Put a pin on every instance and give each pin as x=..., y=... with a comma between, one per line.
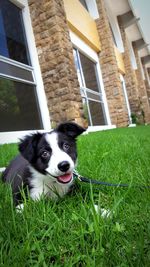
x=27, y=146
x=71, y=129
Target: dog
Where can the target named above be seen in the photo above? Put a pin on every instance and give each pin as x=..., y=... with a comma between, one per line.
x=45, y=164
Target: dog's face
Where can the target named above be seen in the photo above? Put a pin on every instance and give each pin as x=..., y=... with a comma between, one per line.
x=53, y=153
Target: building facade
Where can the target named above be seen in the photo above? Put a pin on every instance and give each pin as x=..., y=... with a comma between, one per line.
x=78, y=60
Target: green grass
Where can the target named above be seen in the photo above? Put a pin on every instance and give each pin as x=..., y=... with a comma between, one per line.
x=69, y=232
x=7, y=152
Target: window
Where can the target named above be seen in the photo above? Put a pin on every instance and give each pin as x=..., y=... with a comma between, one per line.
x=83, y=2
x=90, y=89
x=91, y=7
x=19, y=107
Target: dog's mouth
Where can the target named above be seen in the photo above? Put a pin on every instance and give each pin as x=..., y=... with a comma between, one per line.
x=63, y=179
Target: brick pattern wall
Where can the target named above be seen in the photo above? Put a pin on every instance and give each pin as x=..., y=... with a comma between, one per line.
x=55, y=54
x=110, y=71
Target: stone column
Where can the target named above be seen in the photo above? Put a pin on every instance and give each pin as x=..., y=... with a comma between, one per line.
x=55, y=54
x=110, y=71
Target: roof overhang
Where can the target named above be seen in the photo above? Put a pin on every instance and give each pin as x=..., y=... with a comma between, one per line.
x=131, y=23
x=145, y=59
x=128, y=19
x=140, y=44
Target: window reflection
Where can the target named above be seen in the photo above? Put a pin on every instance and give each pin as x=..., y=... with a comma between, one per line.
x=96, y=110
x=12, y=36
x=89, y=71
x=19, y=108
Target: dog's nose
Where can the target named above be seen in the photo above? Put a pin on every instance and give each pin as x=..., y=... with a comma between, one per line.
x=64, y=166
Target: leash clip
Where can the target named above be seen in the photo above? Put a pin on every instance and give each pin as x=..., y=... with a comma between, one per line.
x=77, y=175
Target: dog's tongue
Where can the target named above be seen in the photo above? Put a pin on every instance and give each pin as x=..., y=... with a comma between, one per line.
x=65, y=178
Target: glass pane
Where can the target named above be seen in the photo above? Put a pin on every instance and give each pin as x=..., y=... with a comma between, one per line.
x=19, y=108
x=96, y=111
x=85, y=110
x=78, y=69
x=12, y=36
x=15, y=71
x=89, y=71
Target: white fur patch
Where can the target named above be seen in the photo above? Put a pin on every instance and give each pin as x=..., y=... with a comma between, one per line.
x=57, y=156
x=20, y=208
x=46, y=185
x=104, y=213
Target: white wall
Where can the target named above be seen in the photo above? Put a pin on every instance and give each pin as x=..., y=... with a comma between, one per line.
x=132, y=55
x=115, y=27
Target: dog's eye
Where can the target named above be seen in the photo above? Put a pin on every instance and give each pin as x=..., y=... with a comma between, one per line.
x=45, y=154
x=66, y=146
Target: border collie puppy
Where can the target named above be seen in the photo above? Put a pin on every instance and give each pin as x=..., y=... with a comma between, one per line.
x=45, y=164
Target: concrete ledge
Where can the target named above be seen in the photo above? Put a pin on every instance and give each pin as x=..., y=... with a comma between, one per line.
x=132, y=125
x=99, y=128
x=13, y=137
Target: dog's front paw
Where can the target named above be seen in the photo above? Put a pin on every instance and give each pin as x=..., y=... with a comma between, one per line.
x=103, y=212
x=19, y=208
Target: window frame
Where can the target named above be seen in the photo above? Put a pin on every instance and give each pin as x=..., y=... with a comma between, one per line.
x=126, y=97
x=12, y=137
x=92, y=55
x=20, y=65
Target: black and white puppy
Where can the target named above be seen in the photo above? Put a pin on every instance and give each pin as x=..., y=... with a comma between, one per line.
x=45, y=164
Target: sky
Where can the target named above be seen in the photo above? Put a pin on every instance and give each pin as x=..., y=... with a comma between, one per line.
x=142, y=10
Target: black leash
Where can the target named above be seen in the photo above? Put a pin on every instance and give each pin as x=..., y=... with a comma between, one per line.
x=96, y=182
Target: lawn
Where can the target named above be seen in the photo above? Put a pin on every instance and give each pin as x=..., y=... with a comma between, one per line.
x=70, y=232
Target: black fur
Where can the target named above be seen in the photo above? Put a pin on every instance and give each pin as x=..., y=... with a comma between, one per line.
x=70, y=129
